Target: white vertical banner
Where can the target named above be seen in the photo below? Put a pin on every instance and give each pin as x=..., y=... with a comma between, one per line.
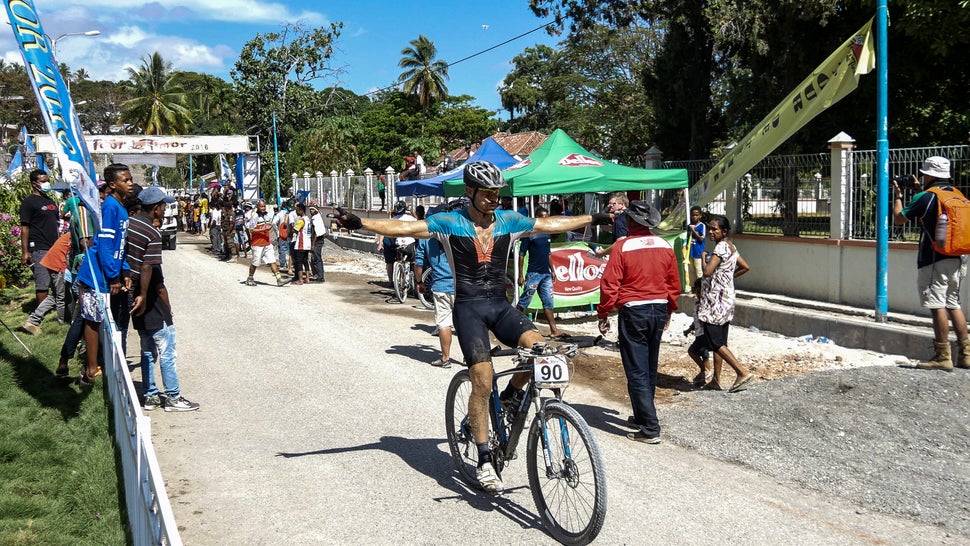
x=250, y=177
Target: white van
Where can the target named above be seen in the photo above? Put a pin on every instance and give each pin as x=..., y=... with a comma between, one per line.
x=169, y=227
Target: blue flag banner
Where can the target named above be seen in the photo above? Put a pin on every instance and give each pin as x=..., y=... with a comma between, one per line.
x=56, y=107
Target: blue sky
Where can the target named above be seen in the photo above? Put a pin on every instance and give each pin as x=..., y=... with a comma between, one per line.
x=207, y=35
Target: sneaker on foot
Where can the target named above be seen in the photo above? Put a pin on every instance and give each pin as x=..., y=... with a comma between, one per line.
x=488, y=478
x=280, y=281
x=151, y=402
x=250, y=282
x=640, y=436
x=179, y=404
x=31, y=329
x=441, y=363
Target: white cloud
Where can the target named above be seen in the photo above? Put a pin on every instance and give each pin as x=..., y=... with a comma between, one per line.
x=234, y=11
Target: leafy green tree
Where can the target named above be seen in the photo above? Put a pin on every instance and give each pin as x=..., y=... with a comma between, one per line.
x=423, y=76
x=159, y=104
x=534, y=89
x=275, y=74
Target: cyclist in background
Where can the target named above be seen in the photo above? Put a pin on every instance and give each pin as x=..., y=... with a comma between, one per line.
x=389, y=246
x=477, y=240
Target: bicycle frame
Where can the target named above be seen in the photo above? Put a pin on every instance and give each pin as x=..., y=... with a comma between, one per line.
x=508, y=437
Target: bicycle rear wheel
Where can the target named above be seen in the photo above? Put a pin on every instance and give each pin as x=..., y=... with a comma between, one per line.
x=401, y=281
x=426, y=299
x=569, y=492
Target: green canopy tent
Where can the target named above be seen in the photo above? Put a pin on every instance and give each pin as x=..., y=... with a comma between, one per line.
x=562, y=166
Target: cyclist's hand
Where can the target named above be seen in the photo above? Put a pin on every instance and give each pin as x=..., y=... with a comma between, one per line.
x=604, y=325
x=346, y=219
x=602, y=219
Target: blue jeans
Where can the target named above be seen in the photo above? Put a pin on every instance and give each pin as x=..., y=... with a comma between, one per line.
x=640, y=329
x=533, y=282
x=159, y=346
x=284, y=252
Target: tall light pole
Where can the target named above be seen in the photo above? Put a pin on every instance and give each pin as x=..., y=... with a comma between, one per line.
x=54, y=41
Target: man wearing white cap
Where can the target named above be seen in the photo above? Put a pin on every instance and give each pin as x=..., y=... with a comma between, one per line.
x=938, y=275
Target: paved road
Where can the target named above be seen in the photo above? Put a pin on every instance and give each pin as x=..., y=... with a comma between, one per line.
x=322, y=423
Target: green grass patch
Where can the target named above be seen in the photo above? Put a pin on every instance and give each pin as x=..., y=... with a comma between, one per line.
x=59, y=477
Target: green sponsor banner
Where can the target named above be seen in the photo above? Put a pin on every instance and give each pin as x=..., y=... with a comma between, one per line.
x=830, y=82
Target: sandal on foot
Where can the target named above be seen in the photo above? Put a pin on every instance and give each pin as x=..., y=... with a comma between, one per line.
x=62, y=373
x=86, y=381
x=740, y=385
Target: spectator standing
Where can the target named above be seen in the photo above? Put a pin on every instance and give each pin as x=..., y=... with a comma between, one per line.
x=938, y=276
x=215, y=229
x=538, y=247
x=303, y=243
x=101, y=273
x=204, y=211
x=447, y=161
x=642, y=282
x=381, y=190
x=698, y=234
x=430, y=254
x=38, y=231
x=716, y=306
x=319, y=234
x=418, y=168
x=151, y=309
x=82, y=230
x=264, y=234
x=281, y=226
x=226, y=223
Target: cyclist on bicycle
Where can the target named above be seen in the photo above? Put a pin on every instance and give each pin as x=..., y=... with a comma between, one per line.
x=391, y=247
x=477, y=240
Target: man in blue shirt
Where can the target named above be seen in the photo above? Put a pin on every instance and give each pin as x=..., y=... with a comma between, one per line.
x=430, y=254
x=102, y=271
x=538, y=276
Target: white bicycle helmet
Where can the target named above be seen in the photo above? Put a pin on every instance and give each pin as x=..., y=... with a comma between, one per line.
x=483, y=175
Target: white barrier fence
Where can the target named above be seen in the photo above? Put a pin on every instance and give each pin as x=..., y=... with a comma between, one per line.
x=149, y=510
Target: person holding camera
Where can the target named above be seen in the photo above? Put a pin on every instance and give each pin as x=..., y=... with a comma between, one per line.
x=938, y=275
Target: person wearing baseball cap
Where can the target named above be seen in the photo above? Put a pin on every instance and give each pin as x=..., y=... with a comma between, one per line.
x=151, y=310
x=939, y=276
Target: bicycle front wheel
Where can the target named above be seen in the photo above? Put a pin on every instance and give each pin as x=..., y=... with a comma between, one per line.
x=566, y=475
x=401, y=281
x=426, y=299
x=464, y=452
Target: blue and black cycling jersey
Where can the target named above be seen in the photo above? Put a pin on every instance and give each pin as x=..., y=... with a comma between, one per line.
x=479, y=270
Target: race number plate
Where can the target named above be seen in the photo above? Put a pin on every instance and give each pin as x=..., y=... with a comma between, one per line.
x=551, y=371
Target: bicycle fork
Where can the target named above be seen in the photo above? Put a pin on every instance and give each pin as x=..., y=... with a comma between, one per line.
x=555, y=469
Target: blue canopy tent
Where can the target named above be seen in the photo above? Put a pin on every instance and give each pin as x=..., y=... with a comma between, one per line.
x=489, y=151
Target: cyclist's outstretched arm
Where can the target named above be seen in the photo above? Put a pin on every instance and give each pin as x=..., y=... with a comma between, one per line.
x=388, y=227
x=397, y=228
x=559, y=224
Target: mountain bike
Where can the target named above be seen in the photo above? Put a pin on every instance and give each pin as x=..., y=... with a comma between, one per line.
x=404, y=282
x=564, y=464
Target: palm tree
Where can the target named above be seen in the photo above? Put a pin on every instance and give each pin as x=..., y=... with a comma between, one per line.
x=159, y=106
x=423, y=76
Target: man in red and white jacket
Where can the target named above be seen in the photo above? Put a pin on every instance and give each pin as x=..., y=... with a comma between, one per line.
x=641, y=280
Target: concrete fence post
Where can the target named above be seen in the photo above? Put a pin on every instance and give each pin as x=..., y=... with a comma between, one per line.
x=350, y=187
x=295, y=185
x=335, y=187
x=368, y=181
x=843, y=181
x=321, y=197
x=390, y=183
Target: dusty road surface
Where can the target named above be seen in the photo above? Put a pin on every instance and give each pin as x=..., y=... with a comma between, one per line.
x=322, y=423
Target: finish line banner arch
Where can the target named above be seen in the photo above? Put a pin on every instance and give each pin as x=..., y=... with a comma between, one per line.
x=162, y=149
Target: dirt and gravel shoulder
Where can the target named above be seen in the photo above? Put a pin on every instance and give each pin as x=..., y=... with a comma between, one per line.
x=850, y=423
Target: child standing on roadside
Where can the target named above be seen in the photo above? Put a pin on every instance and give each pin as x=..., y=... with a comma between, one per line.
x=716, y=305
x=699, y=351
x=698, y=234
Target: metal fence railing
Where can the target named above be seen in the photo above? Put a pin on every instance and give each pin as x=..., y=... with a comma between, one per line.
x=902, y=162
x=792, y=194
